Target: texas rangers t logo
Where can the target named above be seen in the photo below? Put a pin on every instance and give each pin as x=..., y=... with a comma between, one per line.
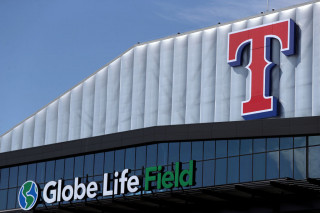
x=260, y=104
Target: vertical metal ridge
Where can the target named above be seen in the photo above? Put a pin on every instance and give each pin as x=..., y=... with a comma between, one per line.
x=40, y=128
x=222, y=104
x=100, y=102
x=125, y=94
x=208, y=75
x=193, y=78
x=75, y=113
x=6, y=142
x=51, y=123
x=316, y=61
x=63, y=117
x=138, y=87
x=152, y=84
x=303, y=72
x=87, y=107
x=28, y=133
x=179, y=80
x=287, y=76
x=17, y=135
x=165, y=82
x=112, y=109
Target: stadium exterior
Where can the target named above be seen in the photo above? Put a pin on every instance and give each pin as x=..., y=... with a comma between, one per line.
x=223, y=119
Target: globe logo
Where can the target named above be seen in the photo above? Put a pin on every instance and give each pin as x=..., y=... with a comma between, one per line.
x=28, y=195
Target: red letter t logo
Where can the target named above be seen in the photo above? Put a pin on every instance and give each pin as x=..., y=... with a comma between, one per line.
x=260, y=104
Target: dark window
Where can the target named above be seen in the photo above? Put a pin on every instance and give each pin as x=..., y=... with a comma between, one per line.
x=198, y=177
x=68, y=169
x=300, y=141
x=119, y=160
x=221, y=148
x=78, y=166
x=4, y=178
x=3, y=200
x=173, y=152
x=314, y=140
x=209, y=150
x=259, y=145
x=272, y=165
x=259, y=166
x=32, y=168
x=41, y=171
x=246, y=168
x=208, y=173
x=141, y=157
x=13, y=180
x=272, y=144
x=98, y=163
x=185, y=152
x=233, y=147
x=246, y=146
x=300, y=163
x=314, y=163
x=162, y=153
x=130, y=158
x=50, y=170
x=109, y=162
x=197, y=150
x=286, y=164
x=12, y=197
x=286, y=143
x=152, y=155
x=221, y=171
x=22, y=177
x=233, y=170
x=59, y=169
x=88, y=165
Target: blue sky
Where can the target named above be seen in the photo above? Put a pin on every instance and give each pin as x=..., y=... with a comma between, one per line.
x=47, y=47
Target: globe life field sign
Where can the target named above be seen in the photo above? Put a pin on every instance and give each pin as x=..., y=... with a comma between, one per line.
x=56, y=191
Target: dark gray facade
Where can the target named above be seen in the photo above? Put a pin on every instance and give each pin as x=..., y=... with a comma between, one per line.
x=227, y=164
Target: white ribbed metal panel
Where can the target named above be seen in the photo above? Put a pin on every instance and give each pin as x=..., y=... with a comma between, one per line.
x=113, y=91
x=75, y=113
x=125, y=102
x=28, y=133
x=6, y=141
x=87, y=108
x=165, y=82
x=63, y=117
x=303, y=72
x=51, y=123
x=100, y=102
x=152, y=85
x=179, y=80
x=17, y=134
x=223, y=83
x=315, y=61
x=40, y=128
x=287, y=76
x=138, y=87
x=193, y=78
x=208, y=75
